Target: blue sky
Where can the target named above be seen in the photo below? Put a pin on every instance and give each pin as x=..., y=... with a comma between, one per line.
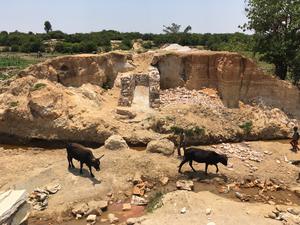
x=70, y=16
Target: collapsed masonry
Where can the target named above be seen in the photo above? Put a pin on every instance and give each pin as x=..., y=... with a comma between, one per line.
x=149, y=79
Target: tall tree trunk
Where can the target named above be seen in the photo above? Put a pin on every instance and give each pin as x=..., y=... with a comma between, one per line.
x=281, y=70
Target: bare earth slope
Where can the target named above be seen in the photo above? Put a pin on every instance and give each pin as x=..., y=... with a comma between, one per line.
x=63, y=100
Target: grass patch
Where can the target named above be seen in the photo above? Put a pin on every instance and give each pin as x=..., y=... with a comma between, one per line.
x=154, y=202
x=14, y=62
x=38, y=86
x=247, y=127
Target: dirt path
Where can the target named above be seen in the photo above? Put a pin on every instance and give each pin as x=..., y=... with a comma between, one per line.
x=34, y=167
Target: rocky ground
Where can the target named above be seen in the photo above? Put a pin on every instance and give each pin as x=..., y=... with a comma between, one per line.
x=264, y=184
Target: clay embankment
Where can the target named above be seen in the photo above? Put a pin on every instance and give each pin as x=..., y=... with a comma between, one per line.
x=63, y=100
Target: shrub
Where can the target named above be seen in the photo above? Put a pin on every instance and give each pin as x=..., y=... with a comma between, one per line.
x=13, y=104
x=247, y=127
x=155, y=202
x=38, y=86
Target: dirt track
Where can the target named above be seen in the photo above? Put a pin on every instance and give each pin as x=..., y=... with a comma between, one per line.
x=33, y=167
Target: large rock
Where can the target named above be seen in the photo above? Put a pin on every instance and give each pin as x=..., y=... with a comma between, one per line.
x=115, y=142
x=163, y=146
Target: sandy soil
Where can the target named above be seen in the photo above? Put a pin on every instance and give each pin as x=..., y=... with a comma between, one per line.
x=29, y=168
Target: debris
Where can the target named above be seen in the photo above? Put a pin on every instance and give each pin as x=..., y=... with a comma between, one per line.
x=164, y=180
x=91, y=219
x=126, y=207
x=80, y=209
x=187, y=185
x=242, y=197
x=183, y=210
x=137, y=178
x=39, y=197
x=112, y=218
x=136, y=200
x=208, y=211
x=139, y=189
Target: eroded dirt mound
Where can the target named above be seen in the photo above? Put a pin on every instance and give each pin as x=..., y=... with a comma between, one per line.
x=62, y=99
x=76, y=70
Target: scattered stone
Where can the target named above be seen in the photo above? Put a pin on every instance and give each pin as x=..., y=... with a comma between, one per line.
x=211, y=223
x=139, y=189
x=132, y=221
x=137, y=178
x=163, y=146
x=294, y=211
x=187, y=185
x=115, y=142
x=183, y=210
x=242, y=197
x=278, y=161
x=271, y=215
x=126, y=112
x=271, y=202
x=91, y=219
x=95, y=207
x=126, y=207
x=80, y=209
x=136, y=200
x=164, y=180
x=112, y=218
x=39, y=197
x=208, y=211
x=78, y=216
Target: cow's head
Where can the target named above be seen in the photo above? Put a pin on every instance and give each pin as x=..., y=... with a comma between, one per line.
x=224, y=159
x=96, y=163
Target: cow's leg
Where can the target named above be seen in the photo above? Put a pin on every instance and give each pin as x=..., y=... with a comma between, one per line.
x=81, y=165
x=191, y=165
x=206, y=166
x=181, y=164
x=90, y=168
x=72, y=163
x=217, y=168
x=69, y=161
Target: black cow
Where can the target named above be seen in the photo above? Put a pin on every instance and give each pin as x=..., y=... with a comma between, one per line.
x=83, y=155
x=202, y=156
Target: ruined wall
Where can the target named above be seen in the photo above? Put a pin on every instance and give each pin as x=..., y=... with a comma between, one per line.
x=234, y=76
x=76, y=70
x=129, y=81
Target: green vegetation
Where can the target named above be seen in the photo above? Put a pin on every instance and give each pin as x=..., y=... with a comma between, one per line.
x=47, y=26
x=8, y=61
x=277, y=37
x=38, y=86
x=154, y=202
x=247, y=127
x=193, y=131
x=13, y=104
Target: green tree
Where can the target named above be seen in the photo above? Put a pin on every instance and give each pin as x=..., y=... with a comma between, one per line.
x=47, y=26
x=175, y=29
x=277, y=32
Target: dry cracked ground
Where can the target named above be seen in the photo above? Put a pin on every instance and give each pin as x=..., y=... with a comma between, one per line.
x=30, y=168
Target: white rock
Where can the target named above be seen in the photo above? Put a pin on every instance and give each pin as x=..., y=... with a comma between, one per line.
x=115, y=142
x=183, y=210
x=211, y=223
x=112, y=218
x=91, y=218
x=187, y=185
x=163, y=146
x=136, y=200
x=208, y=211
